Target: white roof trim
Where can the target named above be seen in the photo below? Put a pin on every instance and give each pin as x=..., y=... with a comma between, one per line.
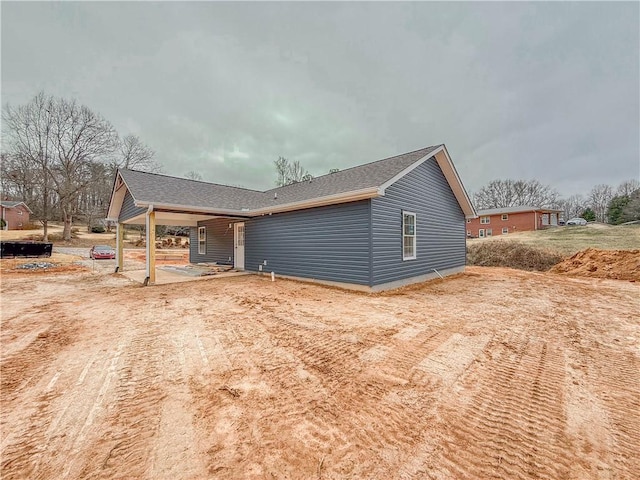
x=450, y=173
x=319, y=201
x=118, y=183
x=17, y=205
x=190, y=208
x=286, y=207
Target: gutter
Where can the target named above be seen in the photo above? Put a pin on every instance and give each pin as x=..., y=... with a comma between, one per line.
x=285, y=207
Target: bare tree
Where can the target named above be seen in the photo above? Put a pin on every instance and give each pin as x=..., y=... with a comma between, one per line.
x=290, y=172
x=628, y=187
x=81, y=137
x=30, y=138
x=61, y=140
x=515, y=193
x=282, y=167
x=134, y=154
x=193, y=175
x=599, y=199
x=572, y=206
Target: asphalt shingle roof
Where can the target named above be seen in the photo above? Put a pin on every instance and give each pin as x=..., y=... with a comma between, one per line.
x=166, y=190
x=163, y=189
x=9, y=204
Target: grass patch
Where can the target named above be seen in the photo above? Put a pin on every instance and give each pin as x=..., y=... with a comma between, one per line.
x=567, y=241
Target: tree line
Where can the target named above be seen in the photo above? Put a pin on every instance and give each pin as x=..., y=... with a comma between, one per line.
x=603, y=203
x=60, y=158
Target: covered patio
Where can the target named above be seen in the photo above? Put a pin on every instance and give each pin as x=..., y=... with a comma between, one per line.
x=125, y=211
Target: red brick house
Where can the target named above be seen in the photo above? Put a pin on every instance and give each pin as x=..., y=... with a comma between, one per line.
x=14, y=214
x=501, y=221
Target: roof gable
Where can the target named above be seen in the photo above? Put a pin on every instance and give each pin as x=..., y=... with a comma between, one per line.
x=12, y=204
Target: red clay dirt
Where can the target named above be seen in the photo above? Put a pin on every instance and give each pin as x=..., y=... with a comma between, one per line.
x=495, y=373
x=614, y=264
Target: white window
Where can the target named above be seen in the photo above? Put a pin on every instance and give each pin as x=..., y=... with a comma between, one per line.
x=481, y=233
x=408, y=236
x=505, y=216
x=485, y=220
x=505, y=230
x=19, y=212
x=202, y=240
x=489, y=232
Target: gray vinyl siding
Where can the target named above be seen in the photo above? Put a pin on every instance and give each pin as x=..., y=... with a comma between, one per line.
x=324, y=243
x=440, y=226
x=219, y=242
x=129, y=210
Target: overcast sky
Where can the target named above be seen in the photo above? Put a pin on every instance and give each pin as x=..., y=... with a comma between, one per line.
x=515, y=90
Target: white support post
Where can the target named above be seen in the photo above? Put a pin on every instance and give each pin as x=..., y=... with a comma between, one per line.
x=119, y=247
x=151, y=246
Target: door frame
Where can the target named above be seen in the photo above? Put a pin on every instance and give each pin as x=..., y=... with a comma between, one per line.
x=238, y=246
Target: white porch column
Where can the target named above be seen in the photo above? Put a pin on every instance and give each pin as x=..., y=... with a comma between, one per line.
x=119, y=247
x=151, y=246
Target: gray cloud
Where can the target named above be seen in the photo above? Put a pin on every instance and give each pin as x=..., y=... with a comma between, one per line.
x=520, y=90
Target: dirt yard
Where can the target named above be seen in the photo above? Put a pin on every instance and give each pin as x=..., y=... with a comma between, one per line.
x=492, y=374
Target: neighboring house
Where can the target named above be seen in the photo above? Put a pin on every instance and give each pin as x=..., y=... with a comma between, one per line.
x=501, y=221
x=15, y=214
x=372, y=227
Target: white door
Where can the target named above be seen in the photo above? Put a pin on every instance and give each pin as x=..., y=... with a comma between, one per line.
x=481, y=233
x=238, y=243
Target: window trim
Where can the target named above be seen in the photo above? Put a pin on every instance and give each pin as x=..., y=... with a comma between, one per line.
x=481, y=233
x=483, y=218
x=202, y=240
x=488, y=232
x=505, y=230
x=505, y=216
x=414, y=236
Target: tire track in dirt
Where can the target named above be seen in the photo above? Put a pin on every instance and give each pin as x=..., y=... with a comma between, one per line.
x=27, y=365
x=134, y=414
x=21, y=456
x=513, y=427
x=619, y=380
x=325, y=407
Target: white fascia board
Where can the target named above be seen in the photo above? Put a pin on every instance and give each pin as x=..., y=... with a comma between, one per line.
x=352, y=196
x=117, y=197
x=449, y=170
x=457, y=187
x=171, y=206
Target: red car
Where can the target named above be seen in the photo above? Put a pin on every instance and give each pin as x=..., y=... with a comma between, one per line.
x=99, y=252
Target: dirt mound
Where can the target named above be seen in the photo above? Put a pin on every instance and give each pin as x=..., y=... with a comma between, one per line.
x=614, y=264
x=511, y=254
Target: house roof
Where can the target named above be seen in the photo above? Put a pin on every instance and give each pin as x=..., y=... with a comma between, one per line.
x=11, y=204
x=363, y=181
x=521, y=209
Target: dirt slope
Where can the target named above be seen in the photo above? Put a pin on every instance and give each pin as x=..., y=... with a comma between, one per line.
x=493, y=374
x=615, y=264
